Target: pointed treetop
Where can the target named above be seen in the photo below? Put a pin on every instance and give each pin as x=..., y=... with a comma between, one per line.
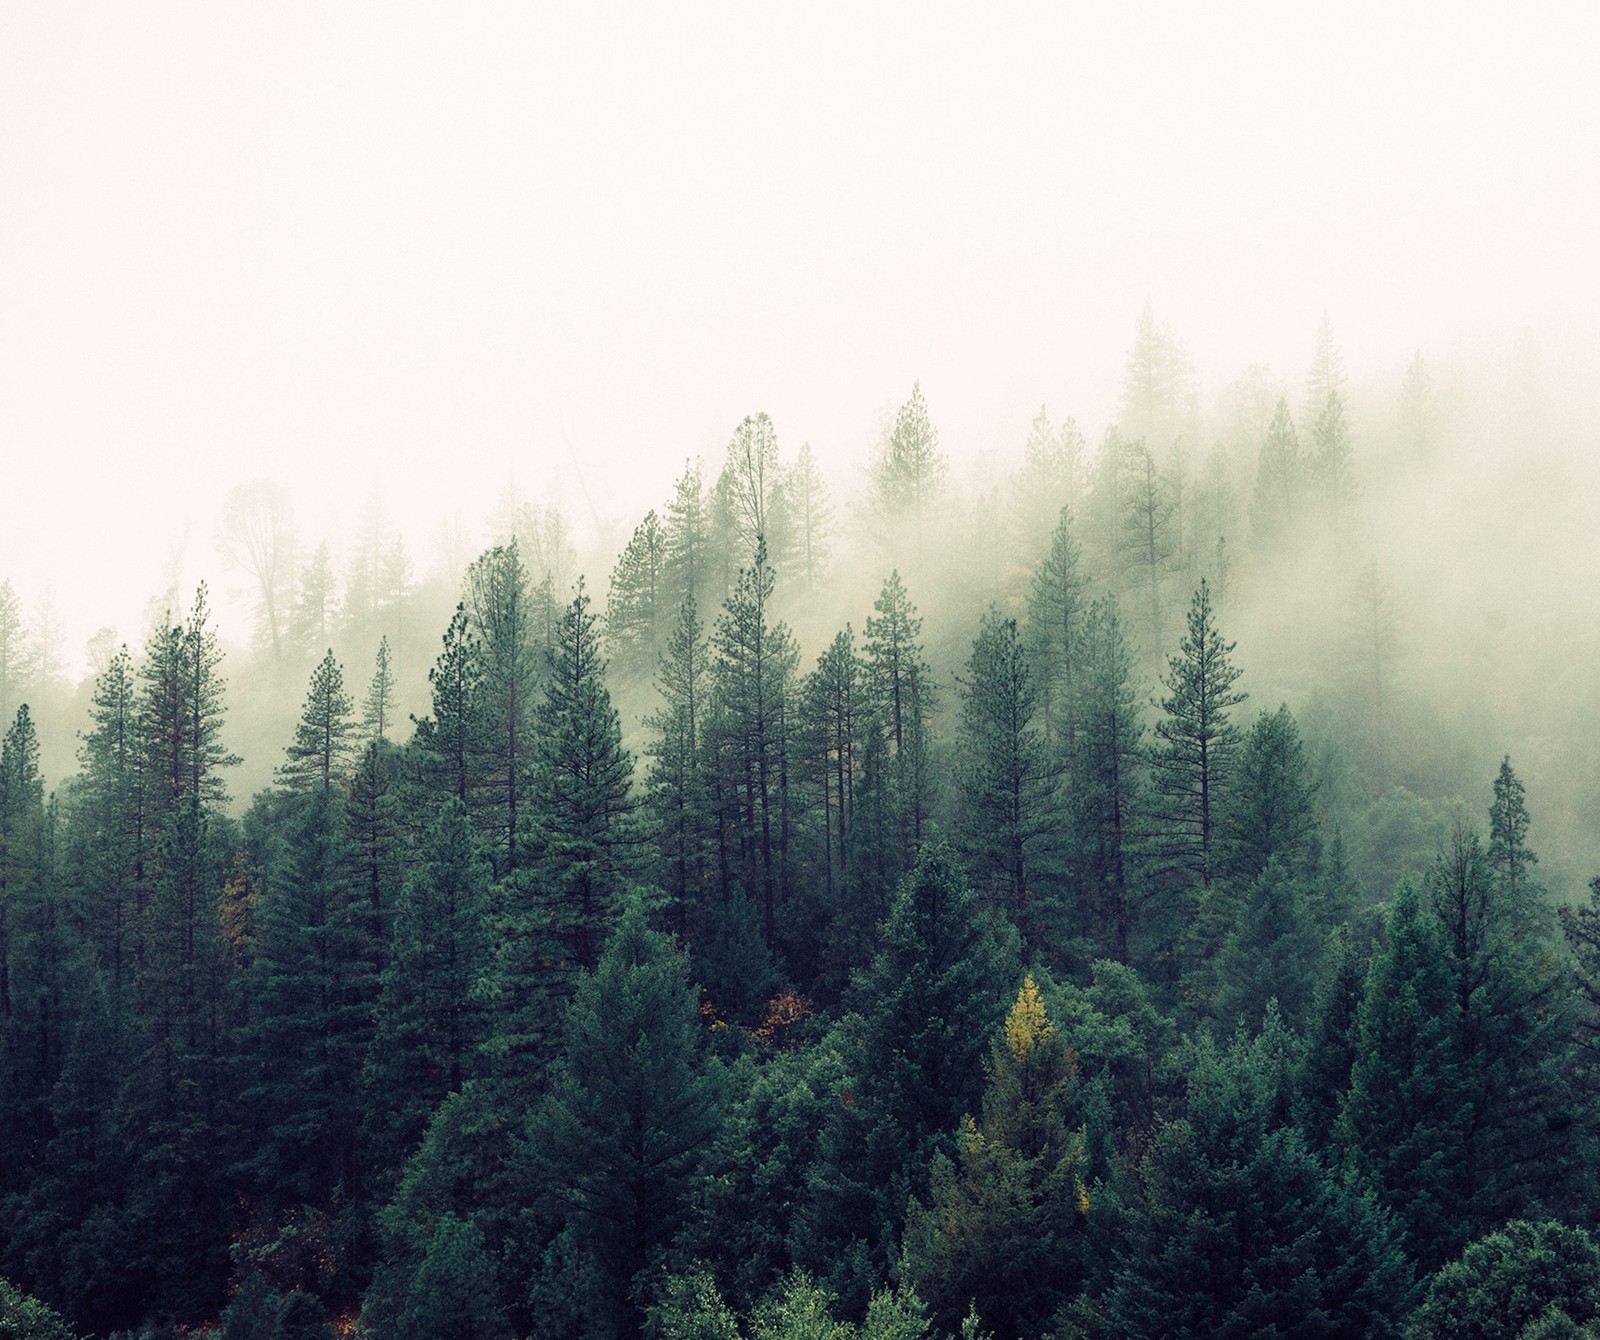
x=1027, y=1025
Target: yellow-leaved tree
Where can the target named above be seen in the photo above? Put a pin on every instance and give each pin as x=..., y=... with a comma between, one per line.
x=1003, y=1229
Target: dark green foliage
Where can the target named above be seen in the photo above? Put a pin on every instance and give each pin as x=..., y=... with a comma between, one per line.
x=1008, y=811
x=636, y=608
x=678, y=790
x=1510, y=1279
x=901, y=686
x=1231, y=1226
x=260, y=1312
x=753, y=684
x=925, y=1010
x=1106, y=792
x=634, y=1104
x=1057, y=607
x=429, y=1024
x=319, y=755
x=1274, y=951
x=1002, y=1231
x=1407, y=1118
x=589, y=844
x=451, y=1297
x=1197, y=741
x=450, y=741
x=508, y=649
x=1269, y=812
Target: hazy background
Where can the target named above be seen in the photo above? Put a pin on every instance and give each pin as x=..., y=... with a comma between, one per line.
x=432, y=252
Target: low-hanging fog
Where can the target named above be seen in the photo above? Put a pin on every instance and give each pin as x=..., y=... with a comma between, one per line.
x=404, y=269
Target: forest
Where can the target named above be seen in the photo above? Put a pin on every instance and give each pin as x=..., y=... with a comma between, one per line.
x=1097, y=897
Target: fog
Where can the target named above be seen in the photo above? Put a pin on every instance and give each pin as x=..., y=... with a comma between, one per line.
x=412, y=264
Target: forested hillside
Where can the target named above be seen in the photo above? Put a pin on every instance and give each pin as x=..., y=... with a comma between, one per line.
x=1089, y=894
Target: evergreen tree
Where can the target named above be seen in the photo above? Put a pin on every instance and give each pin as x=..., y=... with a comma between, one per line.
x=1406, y=1119
x=1007, y=781
x=429, y=1023
x=634, y=1102
x=811, y=516
x=16, y=657
x=1002, y=1230
x=319, y=756
x=585, y=808
x=925, y=1011
x=377, y=709
x=677, y=784
x=500, y=606
x=1197, y=741
x=834, y=711
x=1269, y=812
x=1106, y=795
x=312, y=620
x=1509, y=854
x=752, y=480
x=1050, y=480
x=1149, y=543
x=450, y=739
x=1278, y=502
x=753, y=681
x=1233, y=1227
x=687, y=568
x=1332, y=467
x=1057, y=606
x=909, y=478
x=1505, y=1283
x=635, y=608
x=902, y=692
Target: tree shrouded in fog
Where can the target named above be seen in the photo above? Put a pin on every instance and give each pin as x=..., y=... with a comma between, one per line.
x=908, y=479
x=257, y=535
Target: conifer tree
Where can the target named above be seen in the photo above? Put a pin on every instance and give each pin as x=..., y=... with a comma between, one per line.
x=16, y=658
x=450, y=740
x=1269, y=813
x=676, y=782
x=1057, y=606
x=834, y=712
x=900, y=682
x=635, y=608
x=810, y=517
x=1406, y=1120
x=1106, y=792
x=1197, y=740
x=1509, y=853
x=753, y=682
x=908, y=480
x=686, y=563
x=1002, y=1230
x=1278, y=501
x=589, y=842
x=429, y=1023
x=377, y=708
x=500, y=607
x=634, y=1101
x=1007, y=781
x=1234, y=1227
x=318, y=758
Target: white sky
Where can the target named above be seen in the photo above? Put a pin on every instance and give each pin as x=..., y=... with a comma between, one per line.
x=436, y=249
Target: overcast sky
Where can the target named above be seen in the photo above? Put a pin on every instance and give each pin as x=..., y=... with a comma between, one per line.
x=442, y=249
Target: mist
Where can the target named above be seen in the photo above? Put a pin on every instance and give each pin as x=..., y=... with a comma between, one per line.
x=919, y=368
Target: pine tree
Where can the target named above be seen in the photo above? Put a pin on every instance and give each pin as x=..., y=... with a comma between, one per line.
x=1332, y=466
x=753, y=681
x=1509, y=853
x=1106, y=786
x=908, y=480
x=834, y=711
x=312, y=620
x=16, y=658
x=903, y=696
x=500, y=607
x=319, y=756
x=1007, y=780
x=1406, y=1119
x=1057, y=605
x=1278, y=502
x=584, y=807
x=429, y=1024
x=1233, y=1226
x=1270, y=811
x=377, y=708
x=1050, y=480
x=635, y=608
x=677, y=785
x=1197, y=741
x=1325, y=377
x=686, y=562
x=1002, y=1231
x=810, y=516
x=634, y=1102
x=450, y=740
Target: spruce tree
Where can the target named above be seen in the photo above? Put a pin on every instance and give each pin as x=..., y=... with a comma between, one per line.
x=1057, y=608
x=634, y=1103
x=377, y=708
x=584, y=806
x=1007, y=781
x=1197, y=741
x=318, y=758
x=901, y=685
